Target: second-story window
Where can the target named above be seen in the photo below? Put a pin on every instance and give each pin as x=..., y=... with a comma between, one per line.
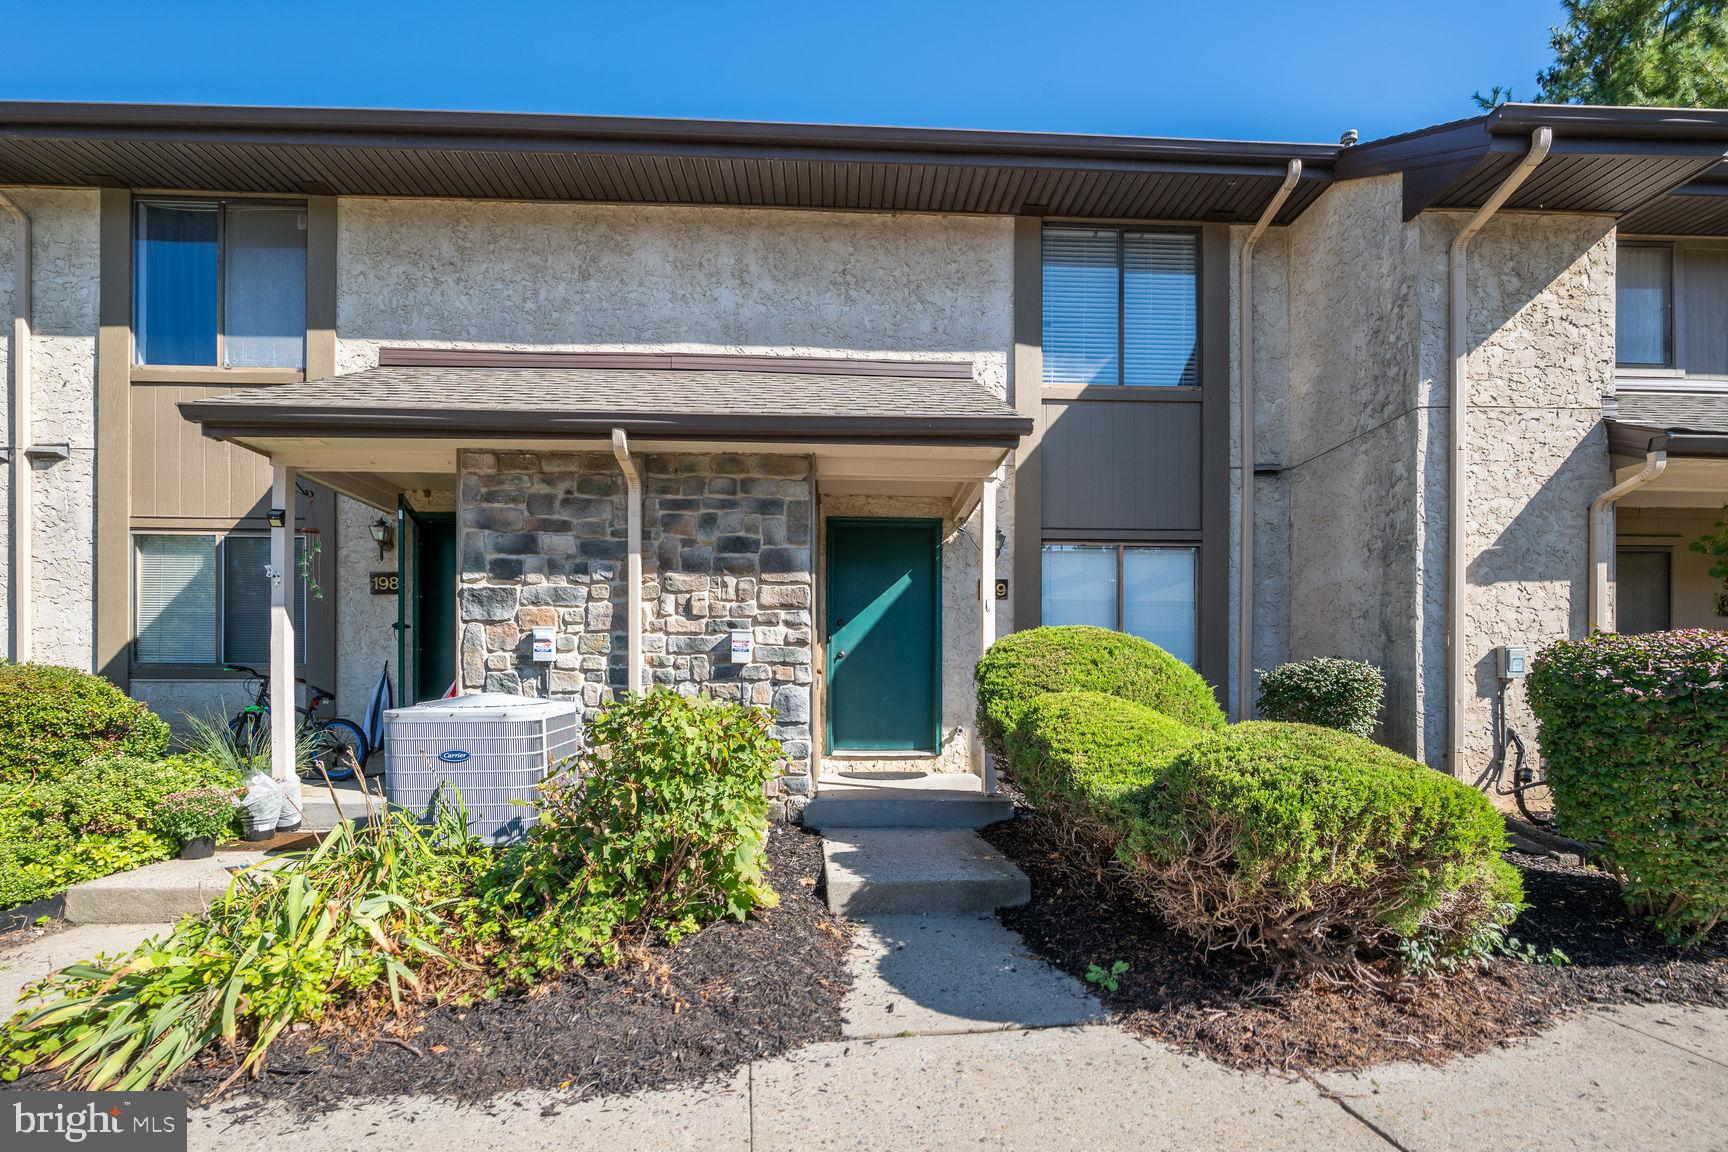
x=219, y=282
x=1644, y=306
x=1120, y=307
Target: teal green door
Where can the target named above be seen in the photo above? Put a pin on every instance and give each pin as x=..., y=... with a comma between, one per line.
x=435, y=604
x=884, y=632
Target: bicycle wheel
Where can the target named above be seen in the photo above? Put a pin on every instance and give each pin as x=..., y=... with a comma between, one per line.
x=340, y=747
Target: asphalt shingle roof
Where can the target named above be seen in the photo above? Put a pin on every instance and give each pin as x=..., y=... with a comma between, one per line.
x=443, y=401
x=1675, y=411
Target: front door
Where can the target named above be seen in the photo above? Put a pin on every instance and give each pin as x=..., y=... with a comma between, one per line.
x=884, y=631
x=426, y=603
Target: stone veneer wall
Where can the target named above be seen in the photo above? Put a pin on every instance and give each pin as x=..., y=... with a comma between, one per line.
x=726, y=545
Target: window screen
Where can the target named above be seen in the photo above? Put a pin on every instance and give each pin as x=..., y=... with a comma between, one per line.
x=1642, y=302
x=264, y=286
x=1642, y=591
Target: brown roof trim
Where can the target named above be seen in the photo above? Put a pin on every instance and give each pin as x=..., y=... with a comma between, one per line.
x=227, y=421
x=1637, y=439
x=671, y=361
x=388, y=127
x=1604, y=160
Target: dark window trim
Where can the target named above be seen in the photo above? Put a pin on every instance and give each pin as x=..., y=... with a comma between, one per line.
x=139, y=203
x=1122, y=228
x=1670, y=351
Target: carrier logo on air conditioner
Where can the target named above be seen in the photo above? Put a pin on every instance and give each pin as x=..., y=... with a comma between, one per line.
x=454, y=756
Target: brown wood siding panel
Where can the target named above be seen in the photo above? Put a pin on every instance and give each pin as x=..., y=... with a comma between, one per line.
x=1109, y=467
x=179, y=474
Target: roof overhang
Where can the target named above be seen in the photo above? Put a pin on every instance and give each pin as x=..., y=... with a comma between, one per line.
x=1637, y=440
x=376, y=152
x=469, y=396
x=1608, y=161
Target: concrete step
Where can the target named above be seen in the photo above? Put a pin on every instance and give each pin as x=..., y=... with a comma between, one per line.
x=917, y=871
x=156, y=893
x=904, y=808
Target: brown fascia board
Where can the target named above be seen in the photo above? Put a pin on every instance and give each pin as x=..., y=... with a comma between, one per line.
x=671, y=361
x=376, y=127
x=227, y=421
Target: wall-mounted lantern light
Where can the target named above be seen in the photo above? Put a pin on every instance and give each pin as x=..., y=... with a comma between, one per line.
x=385, y=534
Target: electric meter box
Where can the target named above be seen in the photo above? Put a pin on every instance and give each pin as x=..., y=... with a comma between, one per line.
x=545, y=644
x=491, y=748
x=1513, y=661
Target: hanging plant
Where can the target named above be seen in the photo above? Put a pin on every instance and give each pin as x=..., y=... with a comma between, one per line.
x=1714, y=544
x=308, y=563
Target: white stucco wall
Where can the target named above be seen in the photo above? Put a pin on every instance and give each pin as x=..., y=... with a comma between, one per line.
x=1541, y=359
x=1367, y=448
x=63, y=367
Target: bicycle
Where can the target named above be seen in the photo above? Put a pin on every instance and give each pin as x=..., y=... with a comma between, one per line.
x=337, y=744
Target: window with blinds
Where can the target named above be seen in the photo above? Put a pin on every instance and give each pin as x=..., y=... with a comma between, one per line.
x=206, y=600
x=1120, y=307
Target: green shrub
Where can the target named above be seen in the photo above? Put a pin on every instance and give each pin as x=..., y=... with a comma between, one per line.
x=1330, y=692
x=1634, y=730
x=362, y=911
x=1321, y=847
x=1025, y=665
x=52, y=719
x=1086, y=755
x=96, y=819
x=659, y=828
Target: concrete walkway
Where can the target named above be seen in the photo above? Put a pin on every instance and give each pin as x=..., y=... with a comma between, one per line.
x=1604, y=1081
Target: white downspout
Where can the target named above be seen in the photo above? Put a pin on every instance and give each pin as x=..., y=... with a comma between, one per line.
x=986, y=606
x=1245, y=438
x=22, y=515
x=1458, y=488
x=1655, y=460
x=633, y=559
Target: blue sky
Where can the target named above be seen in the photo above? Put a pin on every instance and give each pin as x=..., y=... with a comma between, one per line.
x=1256, y=69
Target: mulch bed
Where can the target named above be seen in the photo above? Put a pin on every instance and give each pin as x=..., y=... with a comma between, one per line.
x=1234, y=1011
x=732, y=993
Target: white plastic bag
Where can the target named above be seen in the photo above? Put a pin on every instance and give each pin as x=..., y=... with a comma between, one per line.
x=293, y=812
x=263, y=805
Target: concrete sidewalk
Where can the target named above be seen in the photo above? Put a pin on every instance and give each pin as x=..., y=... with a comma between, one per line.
x=1636, y=1078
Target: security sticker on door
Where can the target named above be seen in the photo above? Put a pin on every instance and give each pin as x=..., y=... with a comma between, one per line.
x=743, y=646
x=545, y=644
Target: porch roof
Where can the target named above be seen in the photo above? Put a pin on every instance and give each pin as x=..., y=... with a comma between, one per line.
x=1688, y=423
x=659, y=397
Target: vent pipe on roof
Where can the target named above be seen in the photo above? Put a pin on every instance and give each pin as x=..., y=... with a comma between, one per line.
x=22, y=516
x=1458, y=487
x=632, y=559
x=1349, y=138
x=1245, y=441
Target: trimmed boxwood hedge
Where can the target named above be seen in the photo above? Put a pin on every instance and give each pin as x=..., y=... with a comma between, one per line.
x=53, y=719
x=1634, y=731
x=1072, y=658
x=1328, y=691
x=1320, y=846
x=1084, y=752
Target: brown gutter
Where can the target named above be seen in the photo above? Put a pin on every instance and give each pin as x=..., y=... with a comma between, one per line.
x=224, y=421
